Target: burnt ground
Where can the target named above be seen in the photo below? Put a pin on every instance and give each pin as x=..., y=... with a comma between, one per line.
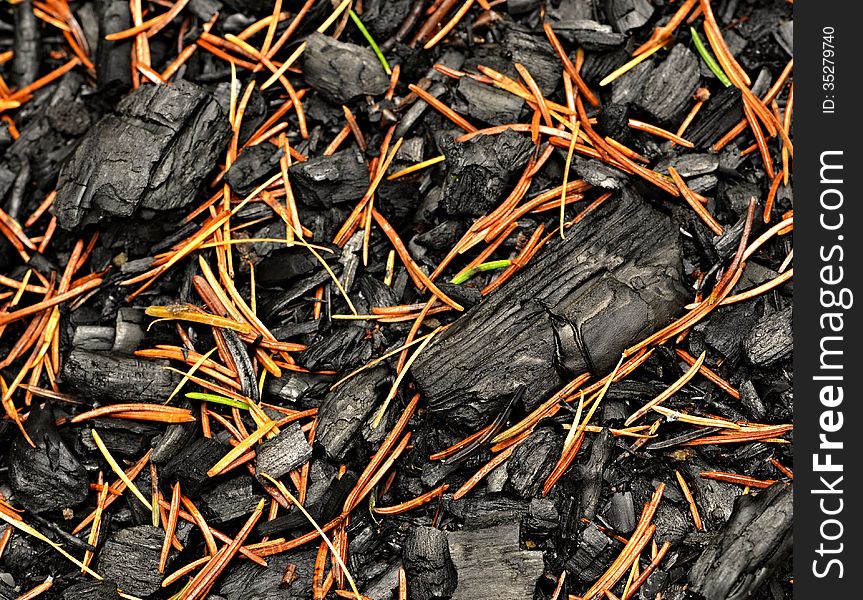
x=499, y=292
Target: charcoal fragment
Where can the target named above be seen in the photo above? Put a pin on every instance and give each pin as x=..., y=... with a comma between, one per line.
x=113, y=378
x=48, y=476
x=620, y=512
x=130, y=557
x=668, y=90
x=112, y=57
x=27, y=45
x=430, y=571
x=590, y=34
x=284, y=452
x=92, y=590
x=488, y=104
x=230, y=499
x=163, y=139
x=532, y=462
x=575, y=307
x=628, y=14
x=253, y=167
x=343, y=411
x=190, y=465
x=771, y=339
x=342, y=71
x=325, y=181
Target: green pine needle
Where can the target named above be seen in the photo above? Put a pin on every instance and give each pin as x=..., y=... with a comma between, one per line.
x=708, y=58
x=488, y=266
x=370, y=40
x=216, y=399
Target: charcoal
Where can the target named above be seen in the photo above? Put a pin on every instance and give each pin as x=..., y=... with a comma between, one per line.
x=229, y=500
x=590, y=474
x=749, y=547
x=490, y=563
x=329, y=180
x=93, y=337
x=113, y=378
x=542, y=515
x=343, y=411
x=590, y=34
x=668, y=90
x=112, y=58
x=253, y=167
x=719, y=114
x=532, y=462
x=92, y=590
x=176, y=437
x=283, y=453
x=478, y=170
x=166, y=138
x=248, y=581
x=48, y=476
x=322, y=509
x=751, y=401
x=430, y=570
x=770, y=340
x=629, y=87
x=27, y=45
x=620, y=512
x=672, y=523
x=599, y=174
x=626, y=15
x=721, y=333
x=691, y=165
x=547, y=312
x=130, y=557
x=488, y=104
x=342, y=71
x=532, y=51
x=190, y=465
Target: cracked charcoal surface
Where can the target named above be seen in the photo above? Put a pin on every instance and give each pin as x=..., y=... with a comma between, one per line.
x=628, y=263
x=343, y=412
x=285, y=452
x=130, y=558
x=328, y=180
x=165, y=138
x=342, y=71
x=430, y=569
x=114, y=378
x=670, y=86
x=771, y=339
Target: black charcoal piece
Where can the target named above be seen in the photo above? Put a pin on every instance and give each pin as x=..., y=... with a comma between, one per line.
x=130, y=557
x=343, y=411
x=48, y=476
x=488, y=104
x=533, y=460
x=342, y=71
x=590, y=34
x=323, y=506
x=430, y=571
x=542, y=515
x=253, y=167
x=749, y=548
x=620, y=512
x=629, y=87
x=719, y=114
x=92, y=590
x=27, y=45
x=477, y=171
x=668, y=90
x=533, y=52
x=190, y=465
x=112, y=58
x=93, y=337
x=284, y=453
x=491, y=564
x=328, y=180
x=598, y=173
x=691, y=165
x=722, y=332
x=154, y=152
x=770, y=340
x=112, y=377
x=248, y=581
x=575, y=308
x=751, y=401
x=230, y=500
x=590, y=473
x=628, y=14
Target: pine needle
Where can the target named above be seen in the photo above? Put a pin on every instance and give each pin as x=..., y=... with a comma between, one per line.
x=190, y=372
x=463, y=276
x=284, y=491
x=370, y=40
x=118, y=471
x=216, y=399
x=708, y=58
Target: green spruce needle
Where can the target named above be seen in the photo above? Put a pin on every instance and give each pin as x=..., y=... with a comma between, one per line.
x=708, y=58
x=488, y=266
x=216, y=399
x=371, y=41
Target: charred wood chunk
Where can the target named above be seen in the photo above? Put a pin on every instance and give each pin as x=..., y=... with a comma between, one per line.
x=111, y=377
x=328, y=180
x=752, y=544
x=153, y=153
x=533, y=51
x=669, y=88
x=190, y=465
x=430, y=571
x=48, y=476
x=130, y=557
x=620, y=512
x=771, y=339
x=590, y=34
x=283, y=453
x=92, y=590
x=691, y=165
x=248, y=581
x=342, y=71
x=628, y=87
x=343, y=411
x=615, y=279
x=590, y=473
x=533, y=461
x=490, y=563
x=479, y=170
x=488, y=104
x=27, y=45
x=719, y=114
x=628, y=14
x=253, y=167
x=230, y=499
x=112, y=58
